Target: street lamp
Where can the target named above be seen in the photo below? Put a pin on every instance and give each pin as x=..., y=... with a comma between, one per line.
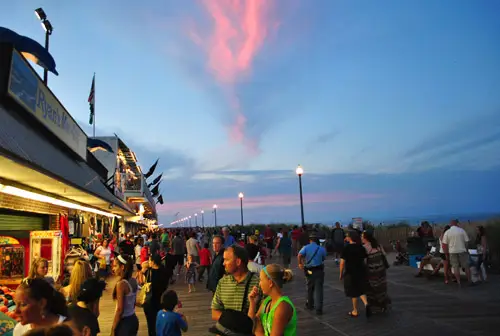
x=202, y=219
x=300, y=171
x=189, y=221
x=215, y=215
x=195, y=220
x=240, y=195
x=47, y=26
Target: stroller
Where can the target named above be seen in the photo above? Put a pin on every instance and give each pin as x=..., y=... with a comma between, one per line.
x=401, y=254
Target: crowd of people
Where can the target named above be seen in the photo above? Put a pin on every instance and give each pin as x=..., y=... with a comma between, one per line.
x=237, y=266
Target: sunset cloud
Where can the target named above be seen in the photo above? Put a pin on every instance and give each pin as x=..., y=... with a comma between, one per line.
x=263, y=201
x=240, y=28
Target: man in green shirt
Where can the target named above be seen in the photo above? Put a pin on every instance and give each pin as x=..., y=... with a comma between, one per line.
x=233, y=289
x=165, y=240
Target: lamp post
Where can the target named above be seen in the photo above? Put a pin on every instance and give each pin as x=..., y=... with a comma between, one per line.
x=202, y=219
x=300, y=171
x=189, y=221
x=47, y=26
x=240, y=195
x=215, y=215
x=195, y=220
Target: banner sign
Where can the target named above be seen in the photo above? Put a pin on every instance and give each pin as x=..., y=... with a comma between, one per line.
x=29, y=91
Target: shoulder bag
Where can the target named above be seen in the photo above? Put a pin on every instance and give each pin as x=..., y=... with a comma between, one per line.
x=145, y=292
x=307, y=270
x=245, y=295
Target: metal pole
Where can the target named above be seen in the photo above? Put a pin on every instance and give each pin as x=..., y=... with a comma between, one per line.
x=301, y=201
x=202, y=220
x=45, y=71
x=195, y=221
x=215, y=216
x=241, y=210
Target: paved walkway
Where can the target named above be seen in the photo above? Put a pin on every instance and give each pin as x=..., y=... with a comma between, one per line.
x=420, y=307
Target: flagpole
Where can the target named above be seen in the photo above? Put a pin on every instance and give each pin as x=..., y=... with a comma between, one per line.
x=94, y=108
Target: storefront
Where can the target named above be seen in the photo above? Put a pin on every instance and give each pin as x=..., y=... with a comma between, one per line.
x=50, y=188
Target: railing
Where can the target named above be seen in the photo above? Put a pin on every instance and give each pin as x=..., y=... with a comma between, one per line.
x=131, y=184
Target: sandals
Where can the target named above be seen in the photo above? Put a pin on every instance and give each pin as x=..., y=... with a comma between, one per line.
x=353, y=315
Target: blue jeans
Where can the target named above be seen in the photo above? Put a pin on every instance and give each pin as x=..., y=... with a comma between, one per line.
x=314, y=284
x=128, y=326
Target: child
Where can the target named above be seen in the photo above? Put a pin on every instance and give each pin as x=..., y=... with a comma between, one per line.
x=205, y=261
x=191, y=273
x=168, y=322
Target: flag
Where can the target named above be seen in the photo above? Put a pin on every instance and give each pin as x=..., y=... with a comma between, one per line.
x=151, y=170
x=156, y=190
x=160, y=199
x=91, y=101
x=156, y=180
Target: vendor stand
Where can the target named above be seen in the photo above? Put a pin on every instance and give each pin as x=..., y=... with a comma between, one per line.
x=48, y=245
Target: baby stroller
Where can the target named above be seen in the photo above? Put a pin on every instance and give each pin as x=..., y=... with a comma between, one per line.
x=401, y=255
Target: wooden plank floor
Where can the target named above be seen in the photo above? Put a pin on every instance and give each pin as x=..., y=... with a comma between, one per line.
x=420, y=307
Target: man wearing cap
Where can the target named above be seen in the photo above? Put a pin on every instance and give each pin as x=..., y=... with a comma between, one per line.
x=311, y=259
x=233, y=289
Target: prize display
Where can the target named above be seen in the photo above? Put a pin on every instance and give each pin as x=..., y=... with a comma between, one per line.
x=47, y=244
x=11, y=261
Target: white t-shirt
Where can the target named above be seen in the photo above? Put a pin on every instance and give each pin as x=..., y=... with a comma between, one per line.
x=20, y=330
x=138, y=249
x=106, y=253
x=191, y=246
x=456, y=238
x=280, y=235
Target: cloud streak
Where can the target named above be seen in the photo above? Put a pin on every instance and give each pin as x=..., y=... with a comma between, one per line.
x=285, y=200
x=239, y=31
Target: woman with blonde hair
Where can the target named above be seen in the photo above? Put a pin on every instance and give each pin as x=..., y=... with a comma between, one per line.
x=39, y=269
x=277, y=314
x=80, y=272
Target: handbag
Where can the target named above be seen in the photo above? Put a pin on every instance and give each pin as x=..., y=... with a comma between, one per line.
x=145, y=292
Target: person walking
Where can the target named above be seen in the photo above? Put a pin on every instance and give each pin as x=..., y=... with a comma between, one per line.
x=156, y=274
x=217, y=270
x=205, y=262
x=284, y=247
x=338, y=237
x=455, y=248
x=178, y=249
x=353, y=272
x=311, y=259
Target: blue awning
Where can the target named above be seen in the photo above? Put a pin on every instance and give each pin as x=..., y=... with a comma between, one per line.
x=30, y=49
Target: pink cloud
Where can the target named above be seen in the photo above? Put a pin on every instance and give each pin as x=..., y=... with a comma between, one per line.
x=286, y=200
x=239, y=31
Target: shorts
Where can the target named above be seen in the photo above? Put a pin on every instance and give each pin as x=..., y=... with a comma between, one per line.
x=459, y=260
x=269, y=245
x=179, y=258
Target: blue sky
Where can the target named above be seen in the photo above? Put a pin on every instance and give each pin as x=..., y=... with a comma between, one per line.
x=392, y=107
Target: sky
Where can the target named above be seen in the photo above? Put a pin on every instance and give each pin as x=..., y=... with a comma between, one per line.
x=391, y=107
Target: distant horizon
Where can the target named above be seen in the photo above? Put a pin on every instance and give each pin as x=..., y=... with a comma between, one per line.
x=411, y=220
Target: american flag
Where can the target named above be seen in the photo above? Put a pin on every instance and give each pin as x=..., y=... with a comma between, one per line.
x=92, y=101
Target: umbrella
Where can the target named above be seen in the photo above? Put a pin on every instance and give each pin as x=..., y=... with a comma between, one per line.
x=30, y=49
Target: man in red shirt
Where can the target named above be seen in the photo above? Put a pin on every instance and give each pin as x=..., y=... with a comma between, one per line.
x=295, y=239
x=205, y=261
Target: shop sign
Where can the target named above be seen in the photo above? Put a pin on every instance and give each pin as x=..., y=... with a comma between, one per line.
x=45, y=234
x=29, y=91
x=357, y=222
x=8, y=241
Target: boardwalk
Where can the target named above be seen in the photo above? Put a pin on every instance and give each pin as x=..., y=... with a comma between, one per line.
x=420, y=307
